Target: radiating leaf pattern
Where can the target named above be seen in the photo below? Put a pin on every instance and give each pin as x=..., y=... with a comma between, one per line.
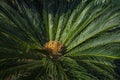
x=89, y=30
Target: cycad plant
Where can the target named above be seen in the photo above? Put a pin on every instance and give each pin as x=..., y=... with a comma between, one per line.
x=59, y=40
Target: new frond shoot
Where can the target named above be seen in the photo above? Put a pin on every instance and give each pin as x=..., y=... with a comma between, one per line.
x=54, y=48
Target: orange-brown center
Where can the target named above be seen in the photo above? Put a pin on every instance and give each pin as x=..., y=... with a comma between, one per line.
x=53, y=47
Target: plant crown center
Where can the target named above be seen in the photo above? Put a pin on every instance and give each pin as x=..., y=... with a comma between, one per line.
x=53, y=47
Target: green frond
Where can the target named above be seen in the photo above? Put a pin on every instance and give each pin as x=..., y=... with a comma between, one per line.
x=101, y=40
x=92, y=30
x=74, y=70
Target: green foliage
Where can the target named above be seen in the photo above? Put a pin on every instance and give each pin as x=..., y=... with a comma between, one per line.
x=90, y=33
